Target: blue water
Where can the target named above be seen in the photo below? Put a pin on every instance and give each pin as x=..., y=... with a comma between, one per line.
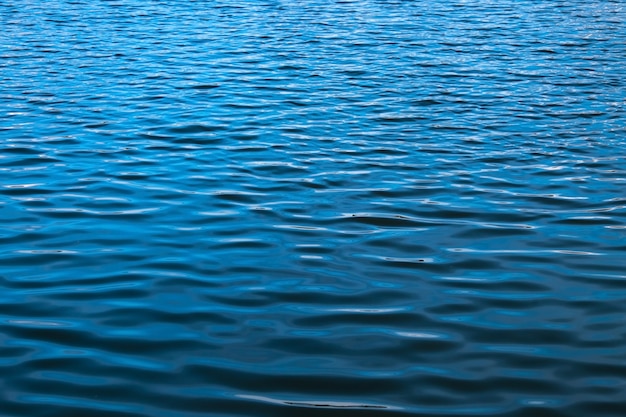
x=312, y=208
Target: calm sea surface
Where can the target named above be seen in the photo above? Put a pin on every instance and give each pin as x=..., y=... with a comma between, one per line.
x=270, y=208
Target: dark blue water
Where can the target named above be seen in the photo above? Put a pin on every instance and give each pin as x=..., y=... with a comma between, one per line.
x=312, y=208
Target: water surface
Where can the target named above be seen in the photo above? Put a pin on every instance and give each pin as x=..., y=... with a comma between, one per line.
x=312, y=208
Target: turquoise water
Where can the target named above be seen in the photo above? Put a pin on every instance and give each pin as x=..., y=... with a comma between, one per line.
x=312, y=208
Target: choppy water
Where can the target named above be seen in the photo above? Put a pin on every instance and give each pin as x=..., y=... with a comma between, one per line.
x=312, y=208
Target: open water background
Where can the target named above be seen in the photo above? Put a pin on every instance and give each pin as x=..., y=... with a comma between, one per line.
x=312, y=208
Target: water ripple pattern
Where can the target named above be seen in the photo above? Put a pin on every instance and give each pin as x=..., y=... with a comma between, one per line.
x=356, y=208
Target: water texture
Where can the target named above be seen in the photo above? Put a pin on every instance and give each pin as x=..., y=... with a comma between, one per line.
x=312, y=208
